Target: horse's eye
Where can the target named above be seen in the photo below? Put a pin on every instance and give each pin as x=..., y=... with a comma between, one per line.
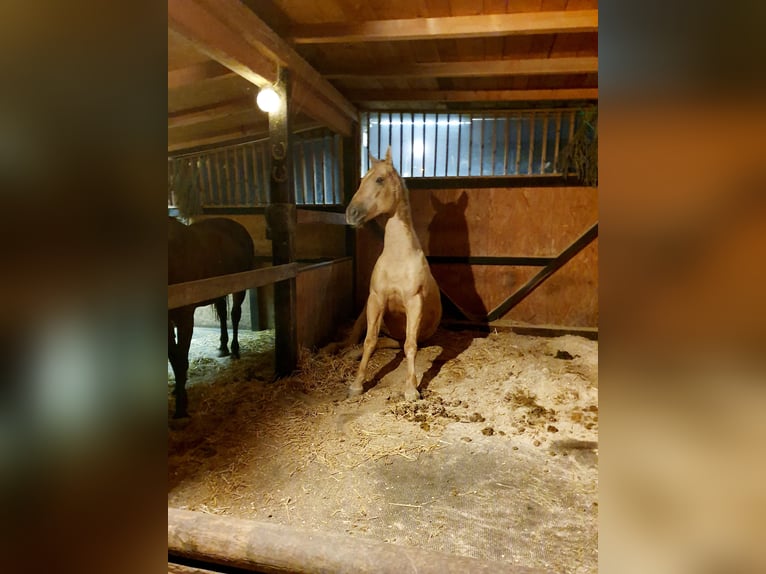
x=379, y=181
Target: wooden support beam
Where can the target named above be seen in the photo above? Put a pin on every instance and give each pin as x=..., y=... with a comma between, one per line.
x=484, y=25
x=196, y=73
x=472, y=95
x=525, y=67
x=304, y=99
x=214, y=38
x=210, y=113
x=329, y=217
x=230, y=33
x=192, y=292
x=489, y=260
x=578, y=245
x=271, y=548
x=247, y=24
x=281, y=219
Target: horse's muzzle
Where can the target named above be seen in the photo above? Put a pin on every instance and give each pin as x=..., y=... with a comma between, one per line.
x=355, y=215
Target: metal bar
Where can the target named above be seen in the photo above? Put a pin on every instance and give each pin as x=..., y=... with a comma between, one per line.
x=236, y=191
x=481, y=145
x=446, y=148
x=489, y=260
x=545, y=144
x=217, y=200
x=558, y=143
x=518, y=144
x=578, y=245
x=530, y=158
x=323, y=162
x=470, y=145
x=459, y=134
x=507, y=143
x=423, y=148
x=412, y=145
x=436, y=143
x=494, y=143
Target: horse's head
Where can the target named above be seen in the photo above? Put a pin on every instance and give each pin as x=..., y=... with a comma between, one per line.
x=379, y=192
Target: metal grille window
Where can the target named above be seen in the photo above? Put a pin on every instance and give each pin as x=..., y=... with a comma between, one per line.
x=469, y=144
x=238, y=176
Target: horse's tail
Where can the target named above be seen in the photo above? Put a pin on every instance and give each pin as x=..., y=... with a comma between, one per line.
x=224, y=306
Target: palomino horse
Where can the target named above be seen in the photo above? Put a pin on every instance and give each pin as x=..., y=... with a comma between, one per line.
x=403, y=293
x=208, y=248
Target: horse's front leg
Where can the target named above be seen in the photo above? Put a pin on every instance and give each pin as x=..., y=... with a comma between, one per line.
x=375, y=308
x=414, y=315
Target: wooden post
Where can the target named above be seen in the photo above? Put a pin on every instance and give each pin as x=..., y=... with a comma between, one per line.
x=281, y=218
x=349, y=181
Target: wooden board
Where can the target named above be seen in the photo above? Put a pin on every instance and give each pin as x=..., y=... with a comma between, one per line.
x=324, y=301
x=531, y=222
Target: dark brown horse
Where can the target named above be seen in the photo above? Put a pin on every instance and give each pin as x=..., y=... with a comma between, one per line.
x=208, y=248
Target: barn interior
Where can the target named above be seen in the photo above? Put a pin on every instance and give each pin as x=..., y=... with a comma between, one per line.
x=490, y=111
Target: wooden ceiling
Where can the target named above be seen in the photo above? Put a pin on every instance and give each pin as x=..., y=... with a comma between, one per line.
x=350, y=55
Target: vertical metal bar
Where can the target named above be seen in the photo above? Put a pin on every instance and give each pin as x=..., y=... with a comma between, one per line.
x=494, y=143
x=572, y=118
x=266, y=175
x=481, y=145
x=380, y=137
x=558, y=143
x=209, y=190
x=518, y=120
x=219, y=187
x=446, y=147
x=459, y=134
x=412, y=145
x=237, y=178
x=507, y=143
x=401, y=141
x=530, y=159
x=545, y=143
x=470, y=142
x=324, y=170
x=251, y=196
x=423, y=151
x=436, y=143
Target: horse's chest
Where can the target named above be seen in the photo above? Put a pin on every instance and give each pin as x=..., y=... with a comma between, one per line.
x=397, y=279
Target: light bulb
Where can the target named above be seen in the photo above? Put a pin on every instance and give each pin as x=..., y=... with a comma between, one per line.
x=268, y=100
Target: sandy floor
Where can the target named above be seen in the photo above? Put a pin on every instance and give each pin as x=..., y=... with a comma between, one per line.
x=497, y=461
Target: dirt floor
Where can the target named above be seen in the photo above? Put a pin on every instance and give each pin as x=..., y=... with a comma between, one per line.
x=498, y=461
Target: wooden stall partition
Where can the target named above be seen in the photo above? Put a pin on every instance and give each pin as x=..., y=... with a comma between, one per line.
x=534, y=224
x=324, y=300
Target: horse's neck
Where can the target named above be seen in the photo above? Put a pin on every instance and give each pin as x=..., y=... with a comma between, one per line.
x=400, y=238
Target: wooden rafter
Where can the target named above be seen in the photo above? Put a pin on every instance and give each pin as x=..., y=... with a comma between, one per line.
x=210, y=113
x=484, y=25
x=230, y=33
x=246, y=23
x=472, y=95
x=525, y=67
x=196, y=73
x=215, y=39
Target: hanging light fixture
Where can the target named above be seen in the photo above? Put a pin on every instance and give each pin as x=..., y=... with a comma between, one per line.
x=268, y=99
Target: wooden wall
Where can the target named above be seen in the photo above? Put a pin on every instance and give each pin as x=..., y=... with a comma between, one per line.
x=324, y=301
x=534, y=221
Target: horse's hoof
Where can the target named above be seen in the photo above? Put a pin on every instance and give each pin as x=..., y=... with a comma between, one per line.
x=354, y=392
x=223, y=352
x=412, y=395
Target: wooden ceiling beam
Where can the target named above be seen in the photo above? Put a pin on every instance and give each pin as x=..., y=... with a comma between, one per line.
x=247, y=24
x=210, y=113
x=526, y=67
x=230, y=33
x=472, y=95
x=485, y=25
x=215, y=39
x=196, y=73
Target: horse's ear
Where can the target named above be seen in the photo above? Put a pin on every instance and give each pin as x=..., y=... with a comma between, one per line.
x=436, y=204
x=373, y=159
x=388, y=156
x=462, y=201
